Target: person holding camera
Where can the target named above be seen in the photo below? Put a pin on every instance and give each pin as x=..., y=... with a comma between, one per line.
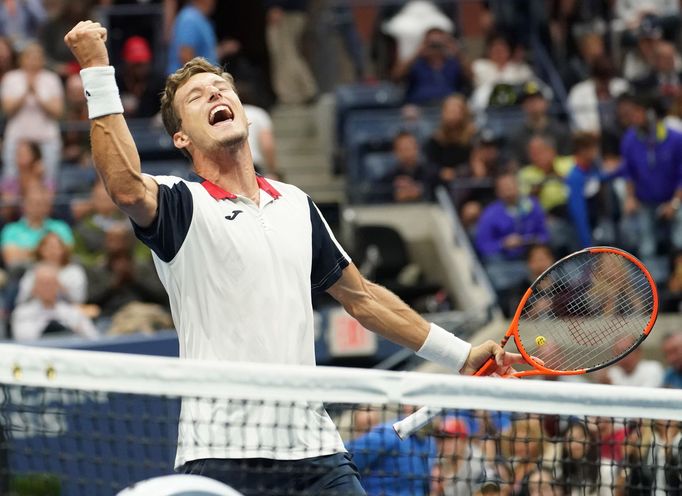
x=435, y=71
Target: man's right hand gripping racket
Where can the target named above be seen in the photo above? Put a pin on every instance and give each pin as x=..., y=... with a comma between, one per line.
x=571, y=318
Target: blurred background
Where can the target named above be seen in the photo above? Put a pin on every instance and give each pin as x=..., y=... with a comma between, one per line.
x=457, y=148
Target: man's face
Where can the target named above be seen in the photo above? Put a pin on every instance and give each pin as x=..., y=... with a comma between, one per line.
x=665, y=57
x=406, y=150
x=672, y=351
x=507, y=189
x=535, y=106
x=212, y=117
x=541, y=154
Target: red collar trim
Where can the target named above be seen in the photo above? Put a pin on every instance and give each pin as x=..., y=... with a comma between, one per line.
x=219, y=193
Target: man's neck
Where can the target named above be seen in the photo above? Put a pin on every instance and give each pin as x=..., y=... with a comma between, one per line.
x=34, y=223
x=231, y=169
x=537, y=121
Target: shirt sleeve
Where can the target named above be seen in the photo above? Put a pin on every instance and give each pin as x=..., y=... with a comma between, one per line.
x=168, y=231
x=578, y=208
x=329, y=259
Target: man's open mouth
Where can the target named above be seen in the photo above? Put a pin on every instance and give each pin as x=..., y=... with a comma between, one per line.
x=220, y=113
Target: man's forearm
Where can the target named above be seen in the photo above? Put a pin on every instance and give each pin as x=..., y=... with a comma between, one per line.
x=118, y=163
x=383, y=312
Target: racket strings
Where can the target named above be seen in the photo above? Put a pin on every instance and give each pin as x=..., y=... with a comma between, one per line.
x=581, y=309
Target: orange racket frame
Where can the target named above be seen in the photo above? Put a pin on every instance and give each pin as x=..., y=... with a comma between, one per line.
x=538, y=368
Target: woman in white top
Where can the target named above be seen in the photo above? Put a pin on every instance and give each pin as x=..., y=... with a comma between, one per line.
x=72, y=277
x=33, y=100
x=497, y=67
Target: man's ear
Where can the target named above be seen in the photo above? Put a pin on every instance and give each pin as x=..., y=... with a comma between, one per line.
x=181, y=140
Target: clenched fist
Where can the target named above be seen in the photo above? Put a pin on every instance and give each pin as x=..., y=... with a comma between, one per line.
x=87, y=43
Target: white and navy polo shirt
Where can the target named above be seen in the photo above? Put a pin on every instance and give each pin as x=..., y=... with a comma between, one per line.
x=239, y=277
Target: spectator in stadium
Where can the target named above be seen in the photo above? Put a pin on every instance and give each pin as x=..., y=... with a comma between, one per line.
x=450, y=145
x=139, y=86
x=7, y=56
x=671, y=295
x=511, y=224
x=460, y=463
x=33, y=100
x=30, y=167
x=584, y=183
x=632, y=370
x=540, y=482
x=20, y=239
x=590, y=102
x=633, y=14
x=393, y=467
x=524, y=443
x=652, y=162
x=63, y=15
x=544, y=176
x=664, y=77
x=75, y=138
x=582, y=471
x=192, y=35
x=292, y=79
x=640, y=60
x=435, y=71
x=672, y=353
x=539, y=258
x=72, y=278
x=537, y=121
x=474, y=184
x=45, y=313
x=20, y=21
x=590, y=47
x=95, y=218
x=497, y=68
x=202, y=236
x=120, y=280
x=261, y=136
x=411, y=179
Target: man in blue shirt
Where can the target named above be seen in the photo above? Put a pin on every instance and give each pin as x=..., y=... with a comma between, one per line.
x=511, y=224
x=672, y=350
x=584, y=186
x=435, y=70
x=391, y=467
x=652, y=164
x=193, y=35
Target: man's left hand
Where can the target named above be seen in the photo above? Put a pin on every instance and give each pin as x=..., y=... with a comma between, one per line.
x=480, y=354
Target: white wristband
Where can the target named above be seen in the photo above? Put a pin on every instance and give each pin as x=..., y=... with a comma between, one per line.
x=444, y=348
x=101, y=91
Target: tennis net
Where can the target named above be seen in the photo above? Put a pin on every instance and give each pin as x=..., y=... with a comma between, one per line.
x=85, y=423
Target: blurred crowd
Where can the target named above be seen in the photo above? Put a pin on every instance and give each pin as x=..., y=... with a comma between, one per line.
x=469, y=453
x=553, y=125
x=520, y=454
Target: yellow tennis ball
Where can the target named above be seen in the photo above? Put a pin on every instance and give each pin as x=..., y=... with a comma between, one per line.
x=540, y=340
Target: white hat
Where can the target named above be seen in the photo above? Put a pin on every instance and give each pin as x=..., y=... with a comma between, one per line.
x=179, y=485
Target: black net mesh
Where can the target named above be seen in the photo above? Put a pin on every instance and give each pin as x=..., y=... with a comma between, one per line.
x=70, y=442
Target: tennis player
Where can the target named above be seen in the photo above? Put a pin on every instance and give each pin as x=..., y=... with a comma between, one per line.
x=240, y=256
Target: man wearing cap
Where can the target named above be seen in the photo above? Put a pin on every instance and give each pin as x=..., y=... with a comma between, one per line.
x=652, y=163
x=139, y=87
x=537, y=121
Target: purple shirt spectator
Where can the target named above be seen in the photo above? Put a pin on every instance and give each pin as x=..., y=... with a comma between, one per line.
x=428, y=84
x=510, y=224
x=654, y=165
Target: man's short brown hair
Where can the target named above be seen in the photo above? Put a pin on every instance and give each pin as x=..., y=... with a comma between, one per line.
x=198, y=65
x=583, y=140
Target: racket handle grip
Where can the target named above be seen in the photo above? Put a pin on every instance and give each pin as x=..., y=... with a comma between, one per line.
x=487, y=367
x=412, y=423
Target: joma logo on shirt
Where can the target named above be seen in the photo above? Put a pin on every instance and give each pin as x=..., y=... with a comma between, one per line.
x=235, y=213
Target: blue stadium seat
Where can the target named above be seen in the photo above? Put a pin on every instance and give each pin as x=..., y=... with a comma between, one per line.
x=179, y=168
x=73, y=180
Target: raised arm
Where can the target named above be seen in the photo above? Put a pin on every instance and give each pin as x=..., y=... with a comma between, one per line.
x=113, y=149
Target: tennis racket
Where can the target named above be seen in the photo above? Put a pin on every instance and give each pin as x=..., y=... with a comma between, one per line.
x=584, y=313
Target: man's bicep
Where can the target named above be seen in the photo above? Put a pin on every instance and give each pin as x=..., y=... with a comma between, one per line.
x=144, y=212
